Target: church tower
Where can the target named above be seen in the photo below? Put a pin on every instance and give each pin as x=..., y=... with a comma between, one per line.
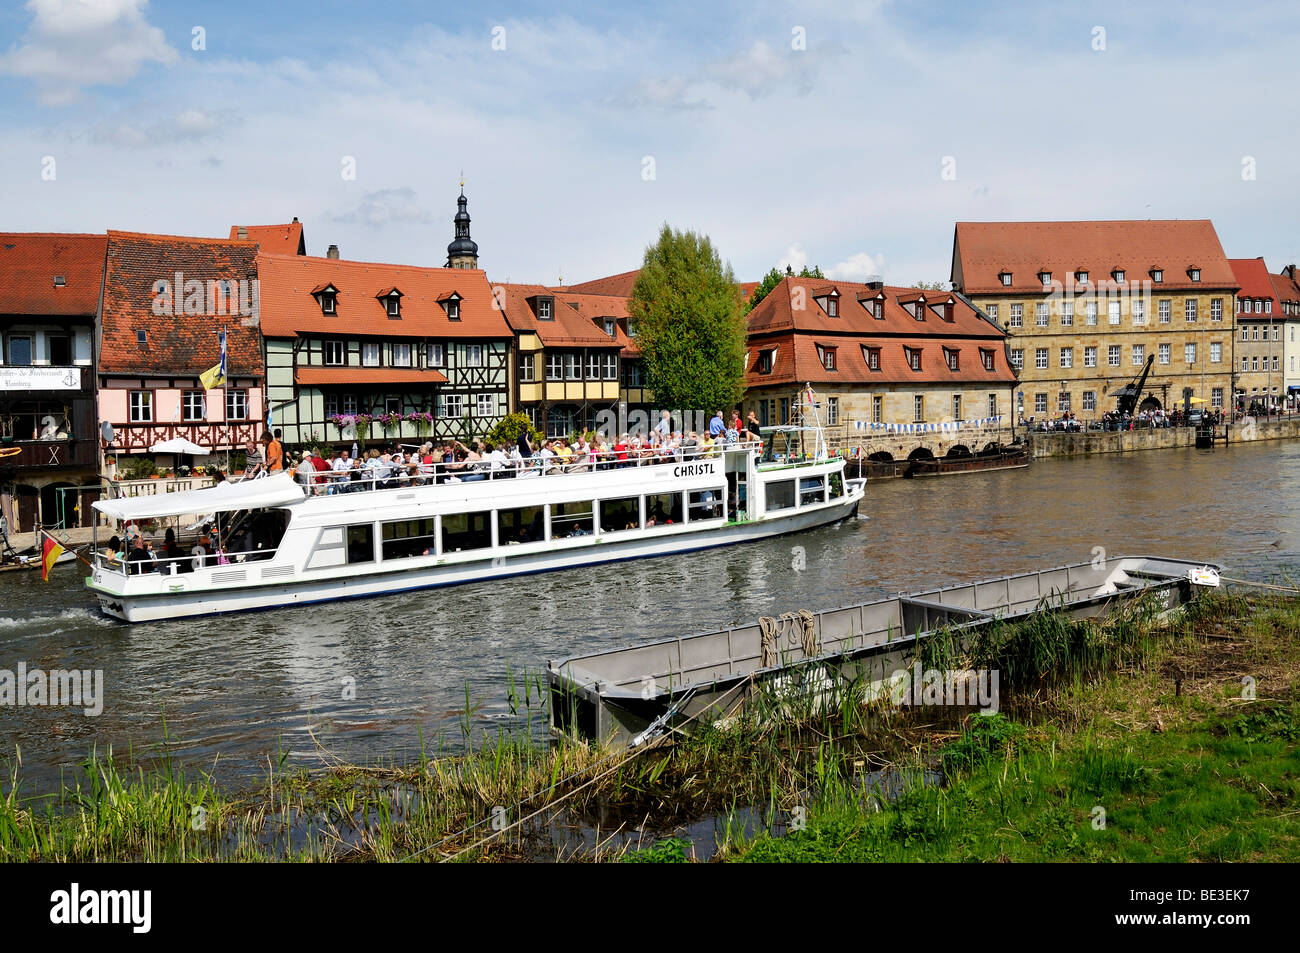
x=462, y=252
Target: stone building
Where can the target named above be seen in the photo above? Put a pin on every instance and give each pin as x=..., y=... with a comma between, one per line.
x=894, y=370
x=1265, y=348
x=1086, y=303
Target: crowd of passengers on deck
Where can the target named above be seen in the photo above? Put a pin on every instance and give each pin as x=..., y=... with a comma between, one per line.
x=456, y=462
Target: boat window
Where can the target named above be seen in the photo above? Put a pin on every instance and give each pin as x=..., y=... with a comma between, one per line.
x=618, y=515
x=361, y=543
x=837, y=485
x=811, y=490
x=780, y=495
x=526, y=524
x=663, y=509
x=706, y=504
x=463, y=531
x=571, y=519
x=408, y=538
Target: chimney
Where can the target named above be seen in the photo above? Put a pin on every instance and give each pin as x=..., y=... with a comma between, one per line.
x=333, y=252
x=295, y=220
x=243, y=233
x=1289, y=271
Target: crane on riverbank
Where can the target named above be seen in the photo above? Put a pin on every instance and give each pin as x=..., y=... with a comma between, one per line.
x=1127, y=396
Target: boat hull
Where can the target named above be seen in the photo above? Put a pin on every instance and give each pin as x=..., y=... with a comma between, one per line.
x=150, y=607
x=612, y=697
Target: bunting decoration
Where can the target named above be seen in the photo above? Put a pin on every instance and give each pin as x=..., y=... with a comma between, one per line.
x=951, y=426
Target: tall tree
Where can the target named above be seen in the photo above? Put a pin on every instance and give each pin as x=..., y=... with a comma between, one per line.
x=689, y=326
x=773, y=278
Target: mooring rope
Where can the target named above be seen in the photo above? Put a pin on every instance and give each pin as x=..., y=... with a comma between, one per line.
x=1260, y=585
x=797, y=628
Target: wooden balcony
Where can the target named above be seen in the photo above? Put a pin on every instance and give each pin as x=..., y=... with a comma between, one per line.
x=138, y=438
x=48, y=454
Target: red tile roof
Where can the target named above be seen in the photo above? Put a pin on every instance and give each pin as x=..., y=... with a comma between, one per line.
x=289, y=309
x=798, y=361
x=578, y=318
x=1256, y=283
x=29, y=263
x=779, y=311
x=367, y=375
x=983, y=250
x=619, y=285
x=179, y=344
x=1286, y=289
x=274, y=239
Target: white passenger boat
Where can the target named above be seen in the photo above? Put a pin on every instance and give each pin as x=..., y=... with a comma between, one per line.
x=283, y=547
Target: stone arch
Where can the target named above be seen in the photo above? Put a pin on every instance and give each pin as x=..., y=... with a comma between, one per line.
x=958, y=451
x=1149, y=403
x=881, y=456
x=921, y=453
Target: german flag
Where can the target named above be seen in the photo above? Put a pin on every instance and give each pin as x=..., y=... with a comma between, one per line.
x=50, y=552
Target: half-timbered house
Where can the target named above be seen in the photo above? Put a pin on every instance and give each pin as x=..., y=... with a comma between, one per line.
x=166, y=301
x=366, y=352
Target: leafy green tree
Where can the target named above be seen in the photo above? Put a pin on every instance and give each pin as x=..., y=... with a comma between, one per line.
x=773, y=278
x=689, y=326
x=930, y=285
x=506, y=432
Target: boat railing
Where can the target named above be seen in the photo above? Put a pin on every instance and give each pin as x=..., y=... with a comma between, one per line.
x=376, y=474
x=208, y=558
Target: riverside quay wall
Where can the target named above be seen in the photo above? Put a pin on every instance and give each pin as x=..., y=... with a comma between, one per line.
x=1083, y=444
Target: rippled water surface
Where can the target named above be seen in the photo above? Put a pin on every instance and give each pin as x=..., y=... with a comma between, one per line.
x=235, y=691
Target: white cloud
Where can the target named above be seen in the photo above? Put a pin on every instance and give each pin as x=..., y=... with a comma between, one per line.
x=795, y=258
x=184, y=126
x=387, y=207
x=71, y=44
x=857, y=267
x=762, y=70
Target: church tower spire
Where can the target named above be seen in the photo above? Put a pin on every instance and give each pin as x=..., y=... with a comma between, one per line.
x=463, y=251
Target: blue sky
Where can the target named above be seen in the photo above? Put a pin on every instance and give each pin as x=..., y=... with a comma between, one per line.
x=833, y=154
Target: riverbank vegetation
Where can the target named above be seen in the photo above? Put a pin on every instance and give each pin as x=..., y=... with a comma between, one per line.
x=1125, y=740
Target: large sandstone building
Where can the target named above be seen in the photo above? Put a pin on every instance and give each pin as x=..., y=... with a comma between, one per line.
x=1087, y=303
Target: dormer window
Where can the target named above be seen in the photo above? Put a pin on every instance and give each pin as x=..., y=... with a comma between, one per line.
x=631, y=328
x=60, y=281
x=392, y=299
x=1046, y=276
x=326, y=296
x=918, y=309
x=952, y=358
x=1194, y=274
x=451, y=304
x=878, y=310
x=946, y=310
x=765, y=359
x=545, y=309
x=826, y=355
x=611, y=326
x=1005, y=278
x=830, y=303
x=986, y=358
x=1118, y=274
x=872, y=356
x=913, y=357
x=1081, y=276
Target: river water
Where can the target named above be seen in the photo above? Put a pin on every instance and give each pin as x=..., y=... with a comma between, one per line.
x=228, y=694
